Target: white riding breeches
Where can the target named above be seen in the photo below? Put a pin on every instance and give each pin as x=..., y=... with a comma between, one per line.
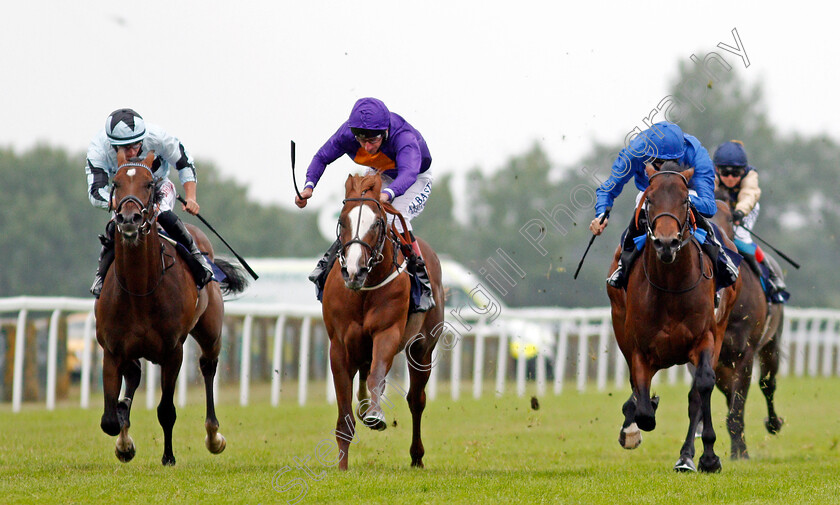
x=741, y=232
x=413, y=201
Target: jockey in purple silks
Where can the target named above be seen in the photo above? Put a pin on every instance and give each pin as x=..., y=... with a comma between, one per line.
x=383, y=141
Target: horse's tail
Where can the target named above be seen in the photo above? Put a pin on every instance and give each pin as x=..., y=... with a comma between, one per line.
x=235, y=281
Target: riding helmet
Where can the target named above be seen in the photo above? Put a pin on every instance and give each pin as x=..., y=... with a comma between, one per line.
x=369, y=118
x=124, y=126
x=731, y=154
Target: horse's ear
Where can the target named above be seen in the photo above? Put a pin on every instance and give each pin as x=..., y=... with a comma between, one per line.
x=150, y=158
x=348, y=184
x=121, y=156
x=649, y=170
x=377, y=184
x=687, y=173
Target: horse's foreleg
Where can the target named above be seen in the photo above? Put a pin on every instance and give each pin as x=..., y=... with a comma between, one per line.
x=345, y=429
x=166, y=407
x=419, y=370
x=214, y=441
x=125, y=445
x=111, y=382
x=695, y=414
x=769, y=366
x=704, y=382
x=385, y=346
x=645, y=407
x=630, y=435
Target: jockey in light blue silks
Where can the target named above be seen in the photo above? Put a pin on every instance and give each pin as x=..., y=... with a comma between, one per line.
x=126, y=129
x=383, y=141
x=662, y=142
x=739, y=181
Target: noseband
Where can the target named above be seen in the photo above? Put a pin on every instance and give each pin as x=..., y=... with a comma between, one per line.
x=684, y=235
x=145, y=210
x=375, y=252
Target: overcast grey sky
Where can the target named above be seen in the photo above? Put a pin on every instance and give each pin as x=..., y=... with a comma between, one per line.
x=482, y=80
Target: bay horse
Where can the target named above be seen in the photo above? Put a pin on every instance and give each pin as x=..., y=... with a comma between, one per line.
x=148, y=305
x=366, y=314
x=667, y=314
x=754, y=329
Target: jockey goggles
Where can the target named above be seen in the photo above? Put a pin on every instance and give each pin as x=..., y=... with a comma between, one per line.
x=363, y=134
x=728, y=171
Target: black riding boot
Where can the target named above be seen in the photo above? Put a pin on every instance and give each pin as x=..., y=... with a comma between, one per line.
x=777, y=282
x=629, y=254
x=752, y=262
x=322, y=269
x=106, y=257
x=199, y=266
x=417, y=268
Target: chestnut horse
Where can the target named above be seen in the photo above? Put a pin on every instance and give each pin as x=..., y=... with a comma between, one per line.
x=365, y=307
x=148, y=305
x=667, y=315
x=754, y=329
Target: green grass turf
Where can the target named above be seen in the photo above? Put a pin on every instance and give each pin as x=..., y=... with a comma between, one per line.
x=494, y=450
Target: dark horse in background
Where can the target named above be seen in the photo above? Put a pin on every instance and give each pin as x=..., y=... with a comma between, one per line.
x=366, y=314
x=754, y=330
x=148, y=305
x=667, y=315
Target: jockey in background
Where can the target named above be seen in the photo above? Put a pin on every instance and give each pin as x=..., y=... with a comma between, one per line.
x=125, y=129
x=384, y=142
x=662, y=142
x=739, y=181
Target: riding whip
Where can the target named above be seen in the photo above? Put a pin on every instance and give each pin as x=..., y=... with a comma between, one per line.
x=238, y=257
x=293, y=171
x=605, y=216
x=780, y=253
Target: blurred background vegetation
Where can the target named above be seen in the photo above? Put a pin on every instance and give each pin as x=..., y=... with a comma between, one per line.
x=48, y=228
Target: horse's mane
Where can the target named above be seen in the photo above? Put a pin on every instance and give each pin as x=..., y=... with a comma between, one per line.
x=673, y=166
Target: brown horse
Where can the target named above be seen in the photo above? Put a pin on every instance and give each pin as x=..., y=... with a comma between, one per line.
x=754, y=329
x=365, y=307
x=148, y=305
x=667, y=316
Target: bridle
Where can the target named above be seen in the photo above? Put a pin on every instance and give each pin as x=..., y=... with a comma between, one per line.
x=149, y=218
x=684, y=236
x=147, y=210
x=375, y=255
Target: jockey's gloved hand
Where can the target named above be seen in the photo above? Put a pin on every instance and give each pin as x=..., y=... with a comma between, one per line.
x=737, y=216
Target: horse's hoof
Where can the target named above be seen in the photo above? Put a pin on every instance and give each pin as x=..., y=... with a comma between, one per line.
x=736, y=455
x=125, y=455
x=774, y=425
x=630, y=437
x=218, y=444
x=685, y=464
x=375, y=421
x=167, y=460
x=710, y=464
x=645, y=423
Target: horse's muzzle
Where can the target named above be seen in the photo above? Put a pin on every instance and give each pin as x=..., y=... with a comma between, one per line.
x=129, y=223
x=354, y=282
x=666, y=248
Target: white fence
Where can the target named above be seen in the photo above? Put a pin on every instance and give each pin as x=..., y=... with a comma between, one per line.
x=571, y=345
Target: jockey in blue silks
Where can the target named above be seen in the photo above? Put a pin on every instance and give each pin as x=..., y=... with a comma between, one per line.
x=662, y=142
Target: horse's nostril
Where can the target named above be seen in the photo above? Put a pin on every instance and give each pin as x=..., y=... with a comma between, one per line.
x=119, y=218
x=674, y=243
x=657, y=243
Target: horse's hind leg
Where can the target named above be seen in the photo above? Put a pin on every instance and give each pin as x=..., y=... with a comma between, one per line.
x=419, y=370
x=207, y=333
x=214, y=441
x=737, y=404
x=166, y=407
x=769, y=366
x=124, y=446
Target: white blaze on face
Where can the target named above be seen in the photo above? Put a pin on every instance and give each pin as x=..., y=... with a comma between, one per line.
x=130, y=172
x=361, y=219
